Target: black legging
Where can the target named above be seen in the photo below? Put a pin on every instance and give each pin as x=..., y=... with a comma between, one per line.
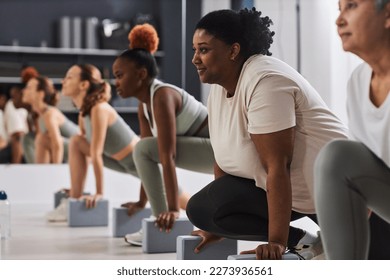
x=6, y=154
x=379, y=238
x=236, y=208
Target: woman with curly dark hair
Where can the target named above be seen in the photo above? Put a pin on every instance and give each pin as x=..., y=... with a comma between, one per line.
x=105, y=138
x=267, y=124
x=173, y=125
x=54, y=129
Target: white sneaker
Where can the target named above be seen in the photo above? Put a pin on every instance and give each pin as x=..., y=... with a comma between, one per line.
x=60, y=214
x=309, y=251
x=134, y=238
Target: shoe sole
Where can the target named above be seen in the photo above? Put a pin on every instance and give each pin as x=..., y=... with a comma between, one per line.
x=134, y=243
x=55, y=221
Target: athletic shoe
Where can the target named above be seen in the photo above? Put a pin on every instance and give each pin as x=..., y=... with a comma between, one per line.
x=308, y=251
x=60, y=214
x=134, y=238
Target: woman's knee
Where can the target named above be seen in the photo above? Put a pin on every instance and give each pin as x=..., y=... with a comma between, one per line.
x=144, y=147
x=199, y=210
x=336, y=155
x=76, y=142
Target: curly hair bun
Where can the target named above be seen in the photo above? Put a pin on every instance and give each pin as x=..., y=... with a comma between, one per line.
x=144, y=36
x=28, y=73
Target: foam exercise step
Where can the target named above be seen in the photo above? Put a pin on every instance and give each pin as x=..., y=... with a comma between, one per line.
x=215, y=251
x=60, y=195
x=124, y=224
x=155, y=241
x=80, y=216
x=286, y=256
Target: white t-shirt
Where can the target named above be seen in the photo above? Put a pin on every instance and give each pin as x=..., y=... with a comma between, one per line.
x=3, y=133
x=368, y=124
x=15, y=119
x=271, y=96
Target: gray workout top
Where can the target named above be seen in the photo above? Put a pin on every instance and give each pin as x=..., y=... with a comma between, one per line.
x=67, y=129
x=190, y=117
x=118, y=135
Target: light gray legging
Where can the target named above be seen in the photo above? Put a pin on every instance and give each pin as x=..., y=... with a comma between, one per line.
x=28, y=147
x=192, y=153
x=125, y=165
x=349, y=178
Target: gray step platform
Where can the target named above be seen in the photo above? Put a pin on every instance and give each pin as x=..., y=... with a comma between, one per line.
x=123, y=224
x=214, y=251
x=286, y=256
x=155, y=241
x=60, y=195
x=80, y=216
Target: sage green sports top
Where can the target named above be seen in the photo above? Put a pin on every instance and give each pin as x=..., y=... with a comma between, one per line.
x=118, y=135
x=67, y=129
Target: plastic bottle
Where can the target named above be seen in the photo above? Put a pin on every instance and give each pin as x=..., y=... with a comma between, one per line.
x=5, y=216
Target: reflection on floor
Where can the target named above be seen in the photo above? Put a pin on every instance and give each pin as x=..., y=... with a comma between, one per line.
x=32, y=238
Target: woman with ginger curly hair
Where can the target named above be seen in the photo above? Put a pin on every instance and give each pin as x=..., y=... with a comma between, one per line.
x=53, y=129
x=105, y=138
x=173, y=125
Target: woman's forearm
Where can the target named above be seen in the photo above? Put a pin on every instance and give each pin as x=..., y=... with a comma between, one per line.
x=57, y=151
x=279, y=205
x=170, y=182
x=97, y=163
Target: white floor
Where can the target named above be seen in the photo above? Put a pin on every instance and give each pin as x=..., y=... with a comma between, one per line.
x=31, y=189
x=32, y=238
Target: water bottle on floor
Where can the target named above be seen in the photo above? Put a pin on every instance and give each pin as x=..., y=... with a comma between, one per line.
x=5, y=216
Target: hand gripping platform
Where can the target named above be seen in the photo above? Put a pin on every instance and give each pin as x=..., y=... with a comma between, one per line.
x=156, y=241
x=80, y=216
x=124, y=224
x=215, y=251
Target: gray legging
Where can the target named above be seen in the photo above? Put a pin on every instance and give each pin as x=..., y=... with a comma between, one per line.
x=28, y=147
x=192, y=153
x=125, y=165
x=349, y=178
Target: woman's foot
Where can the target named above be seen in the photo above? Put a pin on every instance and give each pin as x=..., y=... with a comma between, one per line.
x=60, y=214
x=134, y=238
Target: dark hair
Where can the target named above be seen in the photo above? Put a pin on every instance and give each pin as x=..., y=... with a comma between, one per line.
x=4, y=91
x=245, y=27
x=380, y=4
x=51, y=95
x=98, y=89
x=142, y=58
